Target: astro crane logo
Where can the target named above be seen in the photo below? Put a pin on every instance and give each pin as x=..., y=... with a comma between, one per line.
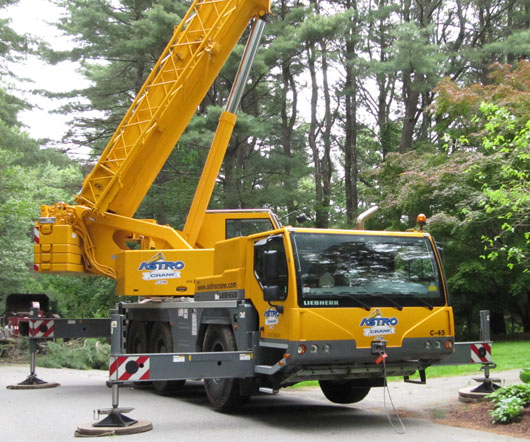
x=377, y=325
x=157, y=268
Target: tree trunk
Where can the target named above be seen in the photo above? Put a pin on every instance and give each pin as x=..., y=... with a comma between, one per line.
x=350, y=142
x=288, y=120
x=410, y=100
x=312, y=137
x=327, y=165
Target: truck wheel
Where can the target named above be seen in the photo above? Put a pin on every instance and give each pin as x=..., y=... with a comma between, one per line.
x=223, y=394
x=345, y=392
x=137, y=338
x=137, y=343
x=161, y=342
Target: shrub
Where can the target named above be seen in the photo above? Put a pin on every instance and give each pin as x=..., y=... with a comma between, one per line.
x=507, y=410
x=79, y=354
x=509, y=403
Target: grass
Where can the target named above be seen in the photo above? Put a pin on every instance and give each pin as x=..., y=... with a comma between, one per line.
x=507, y=355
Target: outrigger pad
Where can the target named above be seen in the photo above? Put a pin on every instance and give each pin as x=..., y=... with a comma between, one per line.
x=469, y=395
x=32, y=382
x=87, y=430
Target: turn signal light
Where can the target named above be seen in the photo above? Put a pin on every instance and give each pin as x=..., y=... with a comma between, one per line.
x=301, y=349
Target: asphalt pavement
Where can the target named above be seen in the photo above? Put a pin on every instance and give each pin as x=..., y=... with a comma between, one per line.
x=301, y=414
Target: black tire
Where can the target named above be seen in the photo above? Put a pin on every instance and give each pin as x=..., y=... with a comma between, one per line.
x=223, y=394
x=137, y=343
x=137, y=338
x=345, y=392
x=162, y=342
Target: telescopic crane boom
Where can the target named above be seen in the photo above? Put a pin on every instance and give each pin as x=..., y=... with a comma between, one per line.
x=88, y=236
x=166, y=103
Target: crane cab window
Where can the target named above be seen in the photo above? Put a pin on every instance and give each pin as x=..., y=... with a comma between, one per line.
x=245, y=227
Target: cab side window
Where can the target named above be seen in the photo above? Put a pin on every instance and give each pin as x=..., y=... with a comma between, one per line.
x=270, y=264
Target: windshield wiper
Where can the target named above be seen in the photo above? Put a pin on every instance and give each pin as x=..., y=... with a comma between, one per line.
x=422, y=301
x=349, y=296
x=356, y=299
x=388, y=299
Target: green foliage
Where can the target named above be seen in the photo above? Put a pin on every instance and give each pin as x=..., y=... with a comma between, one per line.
x=10, y=106
x=509, y=403
x=12, y=45
x=117, y=45
x=507, y=196
x=524, y=375
x=84, y=354
x=78, y=297
x=507, y=410
x=23, y=169
x=413, y=51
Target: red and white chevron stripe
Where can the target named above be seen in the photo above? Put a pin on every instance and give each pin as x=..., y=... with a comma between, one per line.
x=41, y=328
x=132, y=368
x=481, y=353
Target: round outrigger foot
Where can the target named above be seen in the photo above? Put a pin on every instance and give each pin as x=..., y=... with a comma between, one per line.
x=115, y=424
x=477, y=394
x=88, y=430
x=32, y=382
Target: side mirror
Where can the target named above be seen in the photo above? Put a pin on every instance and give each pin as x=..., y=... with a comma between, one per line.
x=274, y=288
x=272, y=293
x=271, y=266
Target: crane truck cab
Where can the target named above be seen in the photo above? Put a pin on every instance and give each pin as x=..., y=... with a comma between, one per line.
x=344, y=307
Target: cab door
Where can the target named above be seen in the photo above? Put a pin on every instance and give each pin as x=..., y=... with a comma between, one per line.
x=274, y=287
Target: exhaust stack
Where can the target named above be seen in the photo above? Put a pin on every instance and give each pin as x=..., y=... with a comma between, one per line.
x=364, y=216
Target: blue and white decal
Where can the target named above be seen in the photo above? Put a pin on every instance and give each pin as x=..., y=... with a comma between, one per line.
x=271, y=317
x=375, y=324
x=158, y=268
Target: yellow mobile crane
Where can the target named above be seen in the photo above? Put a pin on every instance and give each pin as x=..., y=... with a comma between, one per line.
x=236, y=298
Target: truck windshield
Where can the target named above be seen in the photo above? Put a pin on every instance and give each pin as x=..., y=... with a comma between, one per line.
x=348, y=270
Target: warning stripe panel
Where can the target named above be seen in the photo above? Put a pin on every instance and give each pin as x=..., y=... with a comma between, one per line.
x=481, y=353
x=132, y=368
x=41, y=328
